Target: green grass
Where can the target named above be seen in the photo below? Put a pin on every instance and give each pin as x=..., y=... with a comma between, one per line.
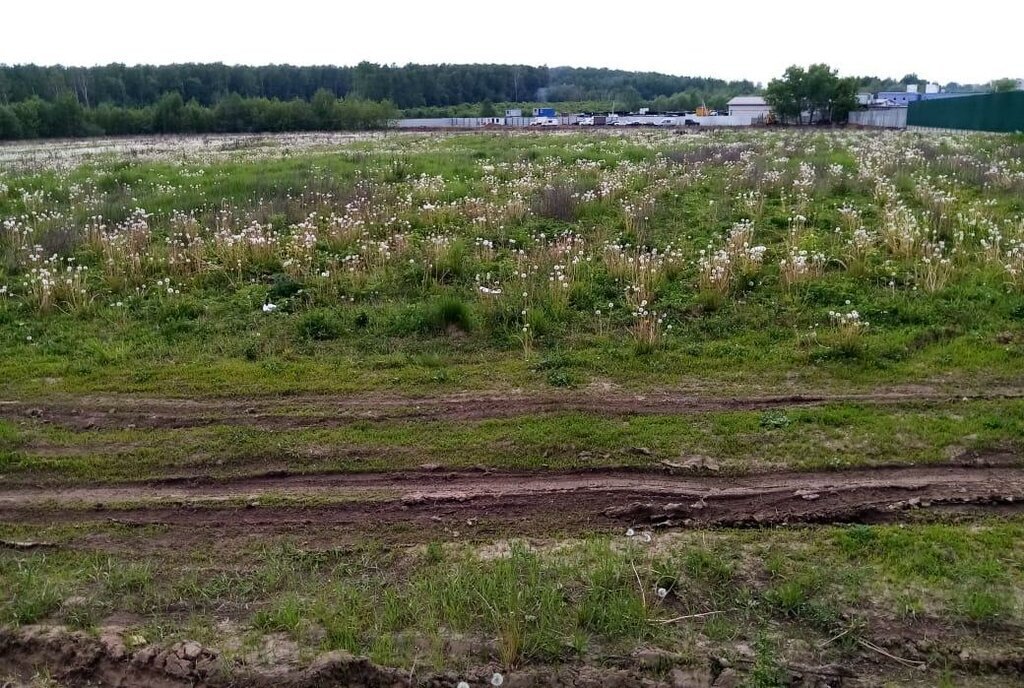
x=839, y=435
x=547, y=603
x=332, y=334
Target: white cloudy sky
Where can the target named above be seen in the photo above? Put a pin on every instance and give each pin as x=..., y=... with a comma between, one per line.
x=965, y=41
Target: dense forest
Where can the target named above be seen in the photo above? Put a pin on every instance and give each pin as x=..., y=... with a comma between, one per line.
x=410, y=86
x=67, y=117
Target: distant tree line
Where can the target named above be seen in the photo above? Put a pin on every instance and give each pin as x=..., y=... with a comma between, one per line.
x=54, y=101
x=569, y=83
x=207, y=84
x=410, y=86
x=66, y=116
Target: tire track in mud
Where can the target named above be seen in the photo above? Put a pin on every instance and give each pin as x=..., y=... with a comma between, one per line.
x=527, y=502
x=283, y=412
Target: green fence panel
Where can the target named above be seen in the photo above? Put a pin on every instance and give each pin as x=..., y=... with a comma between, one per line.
x=986, y=112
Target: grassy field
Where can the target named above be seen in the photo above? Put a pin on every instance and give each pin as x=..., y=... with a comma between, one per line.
x=420, y=262
x=226, y=314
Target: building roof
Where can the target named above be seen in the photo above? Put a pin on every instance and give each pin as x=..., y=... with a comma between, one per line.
x=748, y=100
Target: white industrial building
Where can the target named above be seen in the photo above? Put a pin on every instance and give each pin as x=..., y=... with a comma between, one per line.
x=753, y=107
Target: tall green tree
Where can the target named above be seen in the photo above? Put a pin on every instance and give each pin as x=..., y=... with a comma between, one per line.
x=10, y=125
x=787, y=94
x=65, y=117
x=325, y=109
x=628, y=98
x=1004, y=85
x=168, y=115
x=816, y=91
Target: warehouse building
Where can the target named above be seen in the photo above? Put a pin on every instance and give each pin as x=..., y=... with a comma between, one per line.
x=912, y=95
x=754, y=107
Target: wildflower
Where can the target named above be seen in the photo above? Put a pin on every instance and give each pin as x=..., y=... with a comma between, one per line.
x=497, y=679
x=269, y=307
x=630, y=532
x=662, y=593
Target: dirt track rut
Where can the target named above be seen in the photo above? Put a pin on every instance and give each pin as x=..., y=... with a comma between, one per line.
x=528, y=502
x=283, y=412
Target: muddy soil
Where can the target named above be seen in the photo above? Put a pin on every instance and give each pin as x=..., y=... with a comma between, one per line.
x=76, y=659
x=526, y=502
x=283, y=412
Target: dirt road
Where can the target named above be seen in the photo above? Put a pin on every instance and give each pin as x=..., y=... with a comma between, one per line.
x=286, y=412
x=526, y=502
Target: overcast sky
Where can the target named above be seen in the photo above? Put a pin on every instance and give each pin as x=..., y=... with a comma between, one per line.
x=968, y=42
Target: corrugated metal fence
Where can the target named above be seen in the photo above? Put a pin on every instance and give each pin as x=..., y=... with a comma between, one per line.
x=1002, y=112
x=889, y=118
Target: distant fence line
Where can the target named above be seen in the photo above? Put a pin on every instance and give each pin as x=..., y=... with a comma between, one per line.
x=567, y=120
x=471, y=122
x=888, y=118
